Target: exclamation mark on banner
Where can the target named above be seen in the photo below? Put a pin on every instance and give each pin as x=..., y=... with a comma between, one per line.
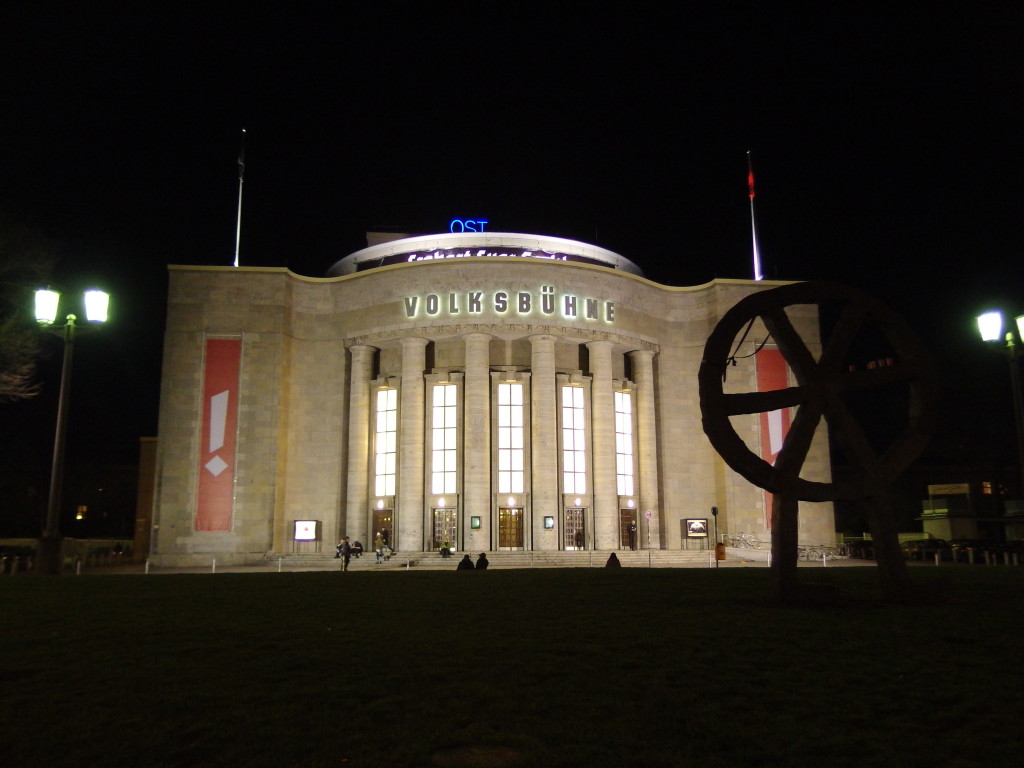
x=776, y=434
x=218, y=421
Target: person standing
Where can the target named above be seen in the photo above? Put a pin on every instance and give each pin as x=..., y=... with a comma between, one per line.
x=632, y=536
x=378, y=545
x=346, y=553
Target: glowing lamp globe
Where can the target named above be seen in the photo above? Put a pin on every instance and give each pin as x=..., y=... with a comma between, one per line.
x=990, y=326
x=46, y=305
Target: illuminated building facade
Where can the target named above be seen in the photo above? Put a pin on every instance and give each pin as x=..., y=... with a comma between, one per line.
x=492, y=391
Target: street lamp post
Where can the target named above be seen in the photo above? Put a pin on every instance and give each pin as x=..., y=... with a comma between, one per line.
x=48, y=556
x=990, y=326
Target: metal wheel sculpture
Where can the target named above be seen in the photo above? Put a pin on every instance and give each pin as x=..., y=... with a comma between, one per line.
x=823, y=384
x=819, y=393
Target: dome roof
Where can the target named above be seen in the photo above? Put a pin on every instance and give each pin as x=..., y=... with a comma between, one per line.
x=479, y=244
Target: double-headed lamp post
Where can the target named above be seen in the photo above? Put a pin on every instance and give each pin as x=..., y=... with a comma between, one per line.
x=48, y=559
x=990, y=325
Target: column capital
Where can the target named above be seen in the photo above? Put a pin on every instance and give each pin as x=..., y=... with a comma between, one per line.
x=413, y=342
x=542, y=338
x=642, y=353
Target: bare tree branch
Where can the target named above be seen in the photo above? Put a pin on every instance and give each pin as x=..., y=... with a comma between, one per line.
x=26, y=259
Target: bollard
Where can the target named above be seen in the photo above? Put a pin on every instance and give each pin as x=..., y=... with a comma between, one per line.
x=970, y=556
x=937, y=558
x=279, y=565
x=213, y=568
x=147, y=565
x=78, y=566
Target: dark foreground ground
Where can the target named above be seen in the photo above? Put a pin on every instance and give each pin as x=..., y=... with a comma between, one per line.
x=546, y=667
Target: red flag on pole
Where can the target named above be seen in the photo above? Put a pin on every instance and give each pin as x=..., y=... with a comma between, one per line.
x=750, y=177
x=753, y=229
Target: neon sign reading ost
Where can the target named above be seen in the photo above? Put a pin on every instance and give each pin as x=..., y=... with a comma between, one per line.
x=518, y=302
x=455, y=226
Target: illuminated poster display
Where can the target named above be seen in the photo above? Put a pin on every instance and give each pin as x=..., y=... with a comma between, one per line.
x=772, y=374
x=697, y=528
x=307, y=530
x=215, y=499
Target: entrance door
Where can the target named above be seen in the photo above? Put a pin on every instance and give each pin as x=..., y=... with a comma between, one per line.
x=384, y=525
x=510, y=528
x=444, y=528
x=627, y=528
x=574, y=535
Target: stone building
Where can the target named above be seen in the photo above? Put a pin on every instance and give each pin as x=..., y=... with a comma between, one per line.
x=495, y=391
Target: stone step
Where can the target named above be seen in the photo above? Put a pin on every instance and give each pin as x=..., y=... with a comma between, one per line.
x=502, y=559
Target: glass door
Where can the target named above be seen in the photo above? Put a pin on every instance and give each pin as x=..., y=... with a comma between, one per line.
x=627, y=529
x=510, y=528
x=383, y=524
x=444, y=529
x=573, y=531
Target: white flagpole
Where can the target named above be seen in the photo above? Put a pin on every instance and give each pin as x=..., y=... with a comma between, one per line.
x=753, y=230
x=241, y=179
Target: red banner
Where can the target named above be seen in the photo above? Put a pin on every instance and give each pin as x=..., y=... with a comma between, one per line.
x=217, y=448
x=772, y=374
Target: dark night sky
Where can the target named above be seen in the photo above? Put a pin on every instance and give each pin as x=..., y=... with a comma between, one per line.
x=886, y=148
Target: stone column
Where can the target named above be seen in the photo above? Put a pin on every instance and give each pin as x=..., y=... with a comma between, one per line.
x=544, y=444
x=411, y=450
x=602, y=424
x=357, y=500
x=476, y=443
x=647, y=442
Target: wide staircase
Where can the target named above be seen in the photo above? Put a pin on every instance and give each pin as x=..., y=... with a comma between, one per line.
x=654, y=558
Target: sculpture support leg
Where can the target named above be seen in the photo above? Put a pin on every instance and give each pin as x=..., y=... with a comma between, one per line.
x=785, y=509
x=892, y=568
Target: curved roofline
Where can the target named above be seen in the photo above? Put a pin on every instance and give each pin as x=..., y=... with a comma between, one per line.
x=544, y=244
x=714, y=282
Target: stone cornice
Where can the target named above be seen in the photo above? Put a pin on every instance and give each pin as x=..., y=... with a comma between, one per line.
x=501, y=330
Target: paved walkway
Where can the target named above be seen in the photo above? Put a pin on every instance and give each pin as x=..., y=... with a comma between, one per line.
x=734, y=559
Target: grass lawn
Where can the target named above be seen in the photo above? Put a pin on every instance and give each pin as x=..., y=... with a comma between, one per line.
x=587, y=667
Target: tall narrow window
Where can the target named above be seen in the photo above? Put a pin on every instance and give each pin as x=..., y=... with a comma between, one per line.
x=574, y=441
x=387, y=442
x=444, y=440
x=624, y=443
x=510, y=438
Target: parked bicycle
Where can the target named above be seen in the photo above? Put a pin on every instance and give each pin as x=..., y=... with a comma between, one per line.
x=741, y=540
x=819, y=552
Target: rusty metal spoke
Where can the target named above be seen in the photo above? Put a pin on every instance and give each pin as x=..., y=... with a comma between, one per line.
x=762, y=402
